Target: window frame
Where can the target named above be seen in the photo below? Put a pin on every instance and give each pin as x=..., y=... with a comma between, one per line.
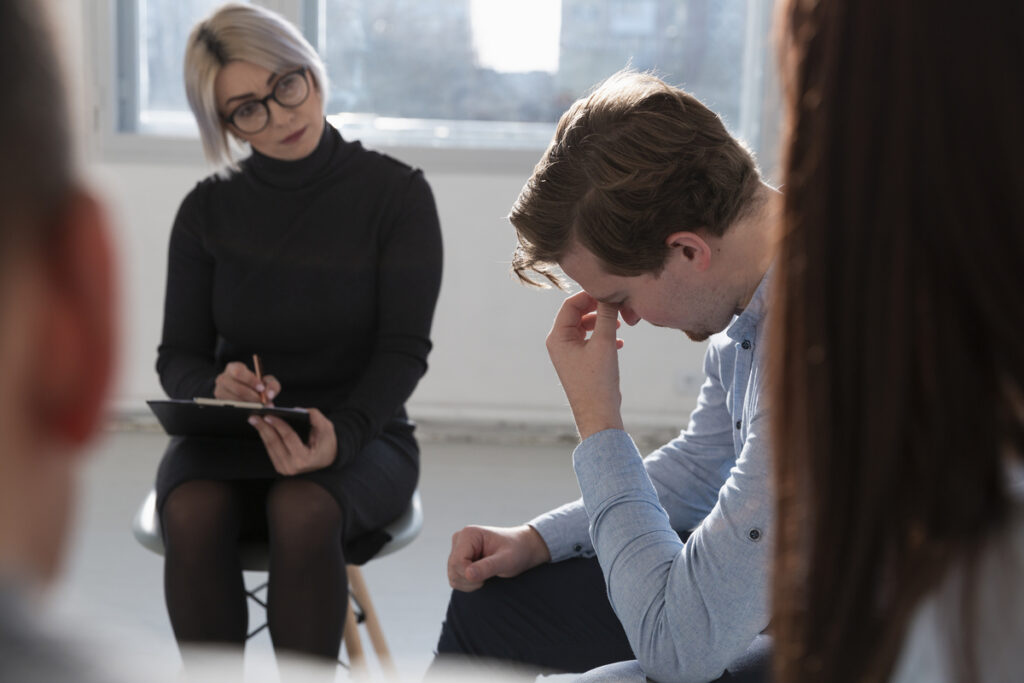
x=108, y=102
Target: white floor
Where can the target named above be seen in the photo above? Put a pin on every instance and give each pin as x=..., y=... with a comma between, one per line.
x=113, y=584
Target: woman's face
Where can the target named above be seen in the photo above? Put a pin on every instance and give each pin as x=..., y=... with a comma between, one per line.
x=292, y=132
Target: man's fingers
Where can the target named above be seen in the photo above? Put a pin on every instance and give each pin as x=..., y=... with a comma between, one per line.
x=572, y=310
x=606, y=321
x=590, y=320
x=467, y=545
x=482, y=569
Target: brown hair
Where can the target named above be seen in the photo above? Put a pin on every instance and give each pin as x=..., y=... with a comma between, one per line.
x=898, y=369
x=36, y=172
x=629, y=165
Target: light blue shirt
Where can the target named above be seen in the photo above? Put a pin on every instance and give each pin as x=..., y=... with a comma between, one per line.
x=687, y=609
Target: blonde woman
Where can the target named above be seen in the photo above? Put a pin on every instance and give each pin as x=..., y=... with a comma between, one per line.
x=324, y=259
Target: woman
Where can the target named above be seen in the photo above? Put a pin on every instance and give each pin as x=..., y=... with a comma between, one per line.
x=324, y=259
x=899, y=421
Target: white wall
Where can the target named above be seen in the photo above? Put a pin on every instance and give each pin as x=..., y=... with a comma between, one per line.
x=489, y=360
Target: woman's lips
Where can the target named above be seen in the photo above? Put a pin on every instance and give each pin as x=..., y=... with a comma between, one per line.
x=294, y=137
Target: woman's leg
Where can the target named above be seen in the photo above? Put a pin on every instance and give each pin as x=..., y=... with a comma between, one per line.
x=202, y=576
x=307, y=596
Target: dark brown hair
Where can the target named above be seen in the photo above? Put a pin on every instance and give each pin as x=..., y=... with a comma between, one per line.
x=36, y=166
x=629, y=165
x=898, y=368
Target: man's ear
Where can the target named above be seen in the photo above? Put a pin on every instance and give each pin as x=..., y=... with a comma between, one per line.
x=75, y=353
x=692, y=247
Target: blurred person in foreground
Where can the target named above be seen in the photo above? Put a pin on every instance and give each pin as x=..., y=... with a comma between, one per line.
x=899, y=420
x=56, y=342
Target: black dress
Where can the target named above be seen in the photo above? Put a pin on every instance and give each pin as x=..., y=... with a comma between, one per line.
x=329, y=268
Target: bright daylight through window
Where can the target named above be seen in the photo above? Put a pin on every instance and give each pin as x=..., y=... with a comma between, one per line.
x=491, y=74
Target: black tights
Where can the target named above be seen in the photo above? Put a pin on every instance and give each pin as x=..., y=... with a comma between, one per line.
x=307, y=595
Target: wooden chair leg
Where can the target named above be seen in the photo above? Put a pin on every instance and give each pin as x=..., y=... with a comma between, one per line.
x=353, y=645
x=362, y=596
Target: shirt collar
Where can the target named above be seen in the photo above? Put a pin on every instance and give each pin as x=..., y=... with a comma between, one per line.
x=747, y=322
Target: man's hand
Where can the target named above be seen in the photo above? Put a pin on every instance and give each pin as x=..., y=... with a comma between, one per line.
x=588, y=368
x=239, y=383
x=480, y=552
x=285, y=448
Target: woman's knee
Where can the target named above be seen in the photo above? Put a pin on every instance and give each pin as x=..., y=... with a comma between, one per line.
x=302, y=516
x=200, y=511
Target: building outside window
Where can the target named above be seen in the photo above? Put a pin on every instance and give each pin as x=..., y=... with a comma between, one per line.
x=469, y=74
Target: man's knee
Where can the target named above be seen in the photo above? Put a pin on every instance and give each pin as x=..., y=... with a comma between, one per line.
x=463, y=621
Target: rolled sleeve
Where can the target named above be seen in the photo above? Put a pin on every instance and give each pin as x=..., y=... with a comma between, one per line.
x=687, y=609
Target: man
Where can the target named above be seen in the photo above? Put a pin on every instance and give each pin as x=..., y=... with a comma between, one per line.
x=646, y=202
x=56, y=339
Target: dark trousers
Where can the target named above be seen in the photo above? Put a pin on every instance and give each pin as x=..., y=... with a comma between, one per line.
x=553, y=618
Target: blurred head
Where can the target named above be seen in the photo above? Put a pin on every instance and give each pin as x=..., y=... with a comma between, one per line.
x=244, y=61
x=55, y=300
x=630, y=165
x=899, y=375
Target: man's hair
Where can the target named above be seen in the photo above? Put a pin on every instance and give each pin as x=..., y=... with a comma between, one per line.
x=240, y=33
x=630, y=164
x=36, y=163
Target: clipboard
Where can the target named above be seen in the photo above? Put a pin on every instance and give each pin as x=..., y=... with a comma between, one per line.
x=216, y=418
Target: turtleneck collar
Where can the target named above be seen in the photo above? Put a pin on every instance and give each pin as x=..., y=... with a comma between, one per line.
x=293, y=175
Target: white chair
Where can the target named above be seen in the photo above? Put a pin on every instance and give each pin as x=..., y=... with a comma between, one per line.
x=146, y=529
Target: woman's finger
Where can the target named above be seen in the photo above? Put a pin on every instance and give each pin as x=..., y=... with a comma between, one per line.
x=289, y=439
x=229, y=388
x=273, y=444
x=273, y=386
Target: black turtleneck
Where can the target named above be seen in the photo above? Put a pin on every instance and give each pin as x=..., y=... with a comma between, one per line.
x=328, y=267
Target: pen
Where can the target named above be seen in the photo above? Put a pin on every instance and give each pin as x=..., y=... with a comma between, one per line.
x=259, y=377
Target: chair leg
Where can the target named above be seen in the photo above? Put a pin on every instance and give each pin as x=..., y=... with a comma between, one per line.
x=353, y=645
x=361, y=595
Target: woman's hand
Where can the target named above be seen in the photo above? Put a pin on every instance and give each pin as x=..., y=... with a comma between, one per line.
x=285, y=448
x=239, y=383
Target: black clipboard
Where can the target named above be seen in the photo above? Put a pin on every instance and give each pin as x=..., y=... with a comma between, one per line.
x=222, y=419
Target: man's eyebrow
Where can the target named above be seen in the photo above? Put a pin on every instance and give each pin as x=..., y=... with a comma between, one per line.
x=271, y=78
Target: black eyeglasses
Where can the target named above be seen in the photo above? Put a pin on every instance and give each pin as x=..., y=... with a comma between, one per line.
x=290, y=91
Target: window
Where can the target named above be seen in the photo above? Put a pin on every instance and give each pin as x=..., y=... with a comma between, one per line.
x=150, y=54
x=473, y=74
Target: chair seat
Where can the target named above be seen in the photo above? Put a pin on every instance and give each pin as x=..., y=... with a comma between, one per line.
x=146, y=529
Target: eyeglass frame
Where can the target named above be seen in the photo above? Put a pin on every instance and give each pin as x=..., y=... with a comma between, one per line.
x=263, y=101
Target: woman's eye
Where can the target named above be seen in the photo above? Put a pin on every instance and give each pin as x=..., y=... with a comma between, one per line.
x=289, y=85
x=247, y=110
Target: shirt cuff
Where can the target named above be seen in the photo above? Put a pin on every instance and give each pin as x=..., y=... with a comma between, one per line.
x=566, y=531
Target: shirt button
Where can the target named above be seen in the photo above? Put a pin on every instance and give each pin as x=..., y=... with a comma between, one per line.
x=577, y=547
x=739, y=423
x=745, y=344
x=755, y=534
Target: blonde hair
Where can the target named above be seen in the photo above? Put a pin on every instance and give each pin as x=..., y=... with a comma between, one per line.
x=247, y=33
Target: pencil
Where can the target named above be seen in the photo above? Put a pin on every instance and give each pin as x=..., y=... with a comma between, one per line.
x=259, y=377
